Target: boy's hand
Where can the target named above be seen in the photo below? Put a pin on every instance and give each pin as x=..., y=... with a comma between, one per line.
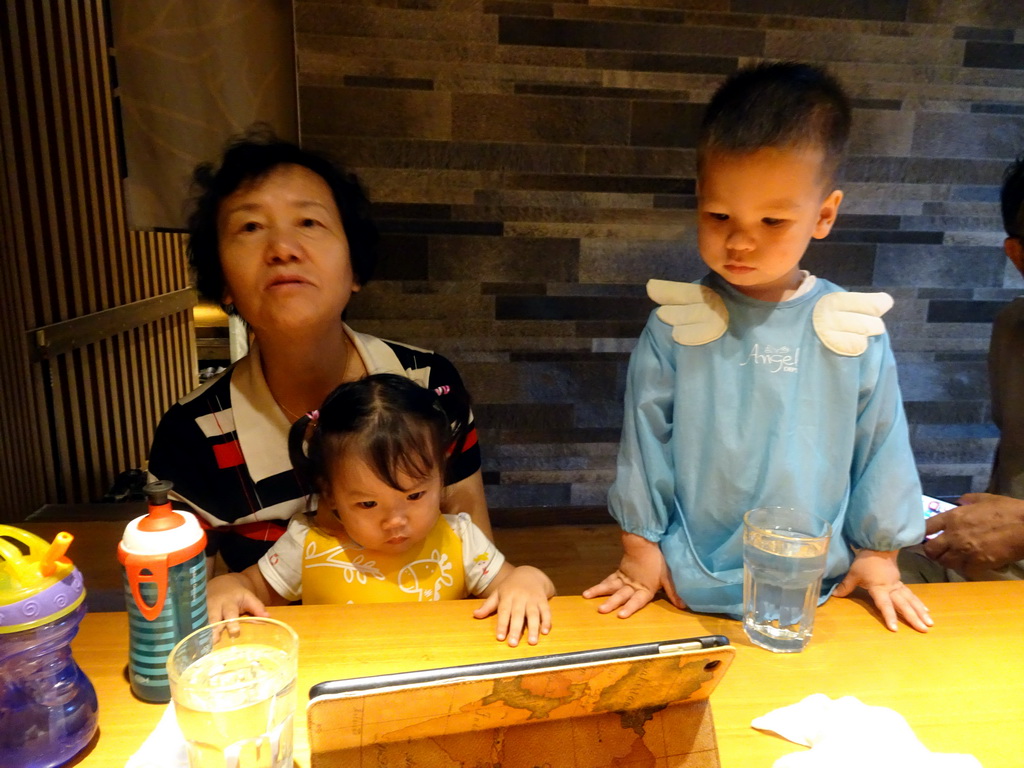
x=878, y=573
x=229, y=596
x=641, y=573
x=520, y=598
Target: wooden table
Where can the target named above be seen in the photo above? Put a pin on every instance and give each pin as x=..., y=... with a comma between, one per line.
x=961, y=687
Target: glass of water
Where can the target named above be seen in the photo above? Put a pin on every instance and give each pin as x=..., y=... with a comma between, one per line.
x=784, y=554
x=233, y=687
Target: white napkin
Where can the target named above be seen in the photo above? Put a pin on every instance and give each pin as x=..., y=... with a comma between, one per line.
x=164, y=747
x=844, y=733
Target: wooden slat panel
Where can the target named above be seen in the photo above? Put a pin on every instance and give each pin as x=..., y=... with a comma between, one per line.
x=111, y=360
x=55, y=289
x=102, y=155
x=86, y=162
x=76, y=481
x=65, y=159
x=111, y=447
x=104, y=435
x=85, y=282
x=71, y=334
x=85, y=415
x=28, y=171
x=25, y=462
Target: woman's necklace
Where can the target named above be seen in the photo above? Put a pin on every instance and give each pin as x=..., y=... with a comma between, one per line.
x=287, y=411
x=352, y=361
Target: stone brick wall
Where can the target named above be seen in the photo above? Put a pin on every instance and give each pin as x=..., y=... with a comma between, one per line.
x=532, y=164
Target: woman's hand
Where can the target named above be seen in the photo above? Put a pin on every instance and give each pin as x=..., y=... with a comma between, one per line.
x=642, y=572
x=520, y=598
x=984, y=534
x=231, y=595
x=878, y=573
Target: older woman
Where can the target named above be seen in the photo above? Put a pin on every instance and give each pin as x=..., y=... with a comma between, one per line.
x=282, y=237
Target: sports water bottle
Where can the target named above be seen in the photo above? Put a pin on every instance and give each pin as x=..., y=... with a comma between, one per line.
x=47, y=704
x=163, y=554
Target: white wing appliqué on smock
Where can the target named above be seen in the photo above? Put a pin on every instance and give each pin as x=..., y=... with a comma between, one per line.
x=844, y=321
x=696, y=313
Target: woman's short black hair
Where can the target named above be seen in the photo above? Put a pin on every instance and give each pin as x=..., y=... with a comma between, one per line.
x=250, y=157
x=1011, y=198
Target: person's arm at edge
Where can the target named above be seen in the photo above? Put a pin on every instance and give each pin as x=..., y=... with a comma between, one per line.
x=467, y=495
x=464, y=488
x=875, y=528
x=175, y=456
x=985, y=533
x=634, y=500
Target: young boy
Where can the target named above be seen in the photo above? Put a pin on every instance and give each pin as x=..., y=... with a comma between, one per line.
x=983, y=539
x=762, y=385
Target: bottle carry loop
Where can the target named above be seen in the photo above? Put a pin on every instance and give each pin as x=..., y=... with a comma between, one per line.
x=135, y=567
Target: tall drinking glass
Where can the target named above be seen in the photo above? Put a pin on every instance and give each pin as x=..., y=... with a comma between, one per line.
x=784, y=553
x=233, y=687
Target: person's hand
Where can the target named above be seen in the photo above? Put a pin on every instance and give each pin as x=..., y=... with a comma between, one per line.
x=229, y=596
x=985, y=533
x=878, y=573
x=520, y=600
x=641, y=573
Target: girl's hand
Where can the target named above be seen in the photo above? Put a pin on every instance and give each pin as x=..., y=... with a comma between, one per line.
x=642, y=572
x=231, y=595
x=520, y=598
x=878, y=573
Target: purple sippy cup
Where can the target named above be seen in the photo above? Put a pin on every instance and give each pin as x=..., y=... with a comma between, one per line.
x=47, y=704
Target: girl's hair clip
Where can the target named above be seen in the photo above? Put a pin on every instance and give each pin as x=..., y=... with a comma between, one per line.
x=313, y=416
x=442, y=390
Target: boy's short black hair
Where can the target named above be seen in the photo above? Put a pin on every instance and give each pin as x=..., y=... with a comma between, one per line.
x=1011, y=199
x=783, y=104
x=250, y=157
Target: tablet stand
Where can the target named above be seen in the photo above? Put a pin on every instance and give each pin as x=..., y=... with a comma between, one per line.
x=651, y=711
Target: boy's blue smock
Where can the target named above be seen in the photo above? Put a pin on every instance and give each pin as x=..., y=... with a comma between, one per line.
x=765, y=415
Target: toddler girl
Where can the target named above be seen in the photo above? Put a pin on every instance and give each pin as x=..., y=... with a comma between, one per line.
x=375, y=454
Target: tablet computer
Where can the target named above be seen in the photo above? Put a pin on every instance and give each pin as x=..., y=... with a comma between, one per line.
x=630, y=698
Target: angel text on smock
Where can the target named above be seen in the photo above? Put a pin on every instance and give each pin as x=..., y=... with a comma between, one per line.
x=778, y=359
